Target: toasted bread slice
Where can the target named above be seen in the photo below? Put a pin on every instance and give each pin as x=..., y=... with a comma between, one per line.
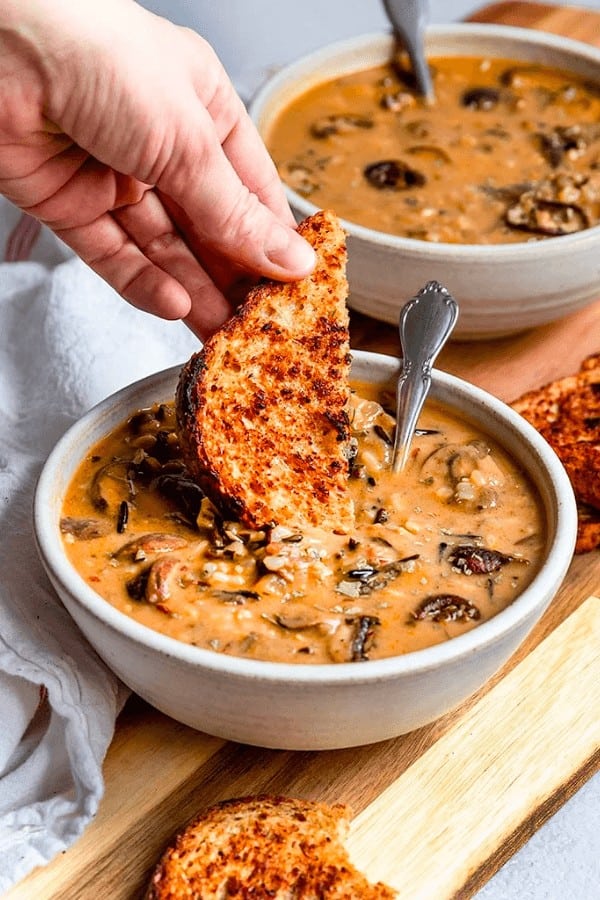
x=543, y=406
x=581, y=459
x=588, y=528
x=567, y=409
x=262, y=410
x=263, y=847
x=566, y=412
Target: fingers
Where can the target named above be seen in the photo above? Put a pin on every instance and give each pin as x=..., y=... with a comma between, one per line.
x=30, y=174
x=234, y=128
x=73, y=189
x=150, y=226
x=224, y=209
x=225, y=214
x=109, y=251
x=138, y=251
x=223, y=271
x=247, y=153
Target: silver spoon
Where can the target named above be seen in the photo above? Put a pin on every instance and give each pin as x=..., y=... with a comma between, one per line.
x=426, y=323
x=409, y=18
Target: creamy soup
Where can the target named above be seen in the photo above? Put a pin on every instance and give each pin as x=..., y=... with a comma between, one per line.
x=436, y=550
x=509, y=151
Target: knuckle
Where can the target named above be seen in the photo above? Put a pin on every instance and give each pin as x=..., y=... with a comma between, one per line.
x=161, y=245
x=244, y=220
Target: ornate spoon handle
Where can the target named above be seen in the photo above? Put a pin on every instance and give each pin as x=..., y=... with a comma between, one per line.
x=426, y=323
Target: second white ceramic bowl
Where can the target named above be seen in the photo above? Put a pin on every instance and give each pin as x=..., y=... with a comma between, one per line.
x=501, y=289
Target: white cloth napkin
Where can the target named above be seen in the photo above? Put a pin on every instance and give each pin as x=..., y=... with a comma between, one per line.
x=66, y=342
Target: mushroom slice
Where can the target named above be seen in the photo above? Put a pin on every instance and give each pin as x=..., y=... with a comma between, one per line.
x=353, y=639
x=451, y=462
x=136, y=586
x=158, y=582
x=83, y=529
x=508, y=193
x=148, y=544
x=183, y=492
x=365, y=579
x=446, y=608
x=393, y=174
x=339, y=124
x=430, y=151
x=235, y=598
x=553, y=147
x=473, y=560
x=298, y=617
x=549, y=217
x=481, y=98
x=118, y=470
x=564, y=138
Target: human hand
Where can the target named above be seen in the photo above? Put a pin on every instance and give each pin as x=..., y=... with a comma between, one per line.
x=123, y=134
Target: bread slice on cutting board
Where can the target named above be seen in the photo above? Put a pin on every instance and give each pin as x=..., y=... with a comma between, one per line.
x=262, y=847
x=262, y=409
x=566, y=412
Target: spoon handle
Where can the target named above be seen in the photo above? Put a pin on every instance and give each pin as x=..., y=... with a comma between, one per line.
x=426, y=323
x=409, y=19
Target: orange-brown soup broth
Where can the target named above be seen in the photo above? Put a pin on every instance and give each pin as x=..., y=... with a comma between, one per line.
x=507, y=152
x=406, y=577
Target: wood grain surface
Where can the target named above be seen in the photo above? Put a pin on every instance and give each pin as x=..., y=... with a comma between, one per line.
x=419, y=821
x=475, y=787
x=573, y=21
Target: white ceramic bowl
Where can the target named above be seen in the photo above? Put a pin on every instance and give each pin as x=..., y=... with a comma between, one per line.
x=501, y=289
x=314, y=706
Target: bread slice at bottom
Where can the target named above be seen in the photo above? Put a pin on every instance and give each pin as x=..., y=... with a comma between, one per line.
x=264, y=848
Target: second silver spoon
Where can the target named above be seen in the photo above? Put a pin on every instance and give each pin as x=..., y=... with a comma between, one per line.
x=409, y=18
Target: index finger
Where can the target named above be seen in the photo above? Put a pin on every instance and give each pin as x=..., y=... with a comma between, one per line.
x=222, y=210
x=238, y=135
x=250, y=158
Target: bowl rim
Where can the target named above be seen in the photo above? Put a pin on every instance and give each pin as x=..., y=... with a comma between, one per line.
x=436, y=250
x=60, y=571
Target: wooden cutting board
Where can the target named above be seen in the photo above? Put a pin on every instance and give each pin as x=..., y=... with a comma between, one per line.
x=420, y=823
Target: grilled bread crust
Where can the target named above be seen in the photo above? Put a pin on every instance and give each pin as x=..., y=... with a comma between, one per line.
x=263, y=848
x=262, y=409
x=588, y=528
x=566, y=412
